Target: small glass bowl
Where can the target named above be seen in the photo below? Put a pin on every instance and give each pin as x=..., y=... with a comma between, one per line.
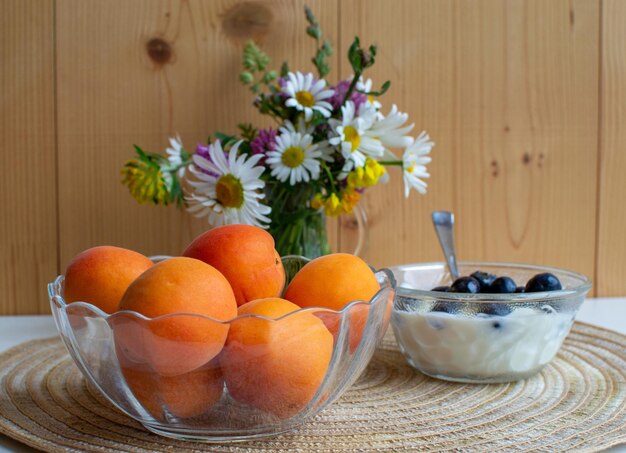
x=133, y=362
x=482, y=338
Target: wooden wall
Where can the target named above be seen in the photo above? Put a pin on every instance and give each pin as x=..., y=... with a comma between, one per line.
x=526, y=100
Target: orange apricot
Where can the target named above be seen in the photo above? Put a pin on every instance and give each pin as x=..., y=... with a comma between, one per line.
x=184, y=396
x=183, y=288
x=276, y=365
x=245, y=254
x=100, y=276
x=333, y=281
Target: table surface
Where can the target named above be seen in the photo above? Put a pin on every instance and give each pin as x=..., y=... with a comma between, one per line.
x=609, y=313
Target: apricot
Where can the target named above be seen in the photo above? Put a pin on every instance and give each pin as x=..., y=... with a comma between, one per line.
x=276, y=365
x=333, y=281
x=184, y=396
x=245, y=254
x=100, y=275
x=177, y=344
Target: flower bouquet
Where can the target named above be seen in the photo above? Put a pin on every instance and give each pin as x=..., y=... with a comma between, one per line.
x=330, y=143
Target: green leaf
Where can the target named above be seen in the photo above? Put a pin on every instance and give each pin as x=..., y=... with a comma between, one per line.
x=314, y=32
x=249, y=63
x=176, y=193
x=310, y=17
x=269, y=77
x=372, y=56
x=327, y=48
x=354, y=55
x=248, y=131
x=246, y=77
x=254, y=59
x=320, y=63
x=152, y=159
x=383, y=89
x=140, y=152
x=284, y=69
x=225, y=138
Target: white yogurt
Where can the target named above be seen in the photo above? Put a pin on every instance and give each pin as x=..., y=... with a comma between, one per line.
x=482, y=347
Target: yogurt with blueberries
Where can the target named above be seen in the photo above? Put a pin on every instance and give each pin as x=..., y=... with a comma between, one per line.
x=481, y=341
x=481, y=347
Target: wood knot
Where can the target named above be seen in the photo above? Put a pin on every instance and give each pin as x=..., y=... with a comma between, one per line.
x=351, y=223
x=507, y=128
x=526, y=158
x=247, y=20
x=159, y=51
x=495, y=168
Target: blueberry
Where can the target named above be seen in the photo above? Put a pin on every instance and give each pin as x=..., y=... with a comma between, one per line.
x=495, y=309
x=446, y=307
x=503, y=285
x=485, y=279
x=543, y=282
x=520, y=289
x=441, y=289
x=465, y=285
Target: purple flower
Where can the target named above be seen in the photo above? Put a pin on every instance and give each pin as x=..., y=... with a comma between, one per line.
x=203, y=151
x=264, y=142
x=340, y=92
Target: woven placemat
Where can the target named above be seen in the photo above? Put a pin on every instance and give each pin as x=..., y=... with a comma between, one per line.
x=578, y=402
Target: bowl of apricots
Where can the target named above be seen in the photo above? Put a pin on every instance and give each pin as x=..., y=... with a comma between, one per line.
x=228, y=341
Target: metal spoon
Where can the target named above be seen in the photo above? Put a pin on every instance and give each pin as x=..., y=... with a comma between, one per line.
x=444, y=227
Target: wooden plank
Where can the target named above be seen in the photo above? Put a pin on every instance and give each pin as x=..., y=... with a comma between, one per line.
x=509, y=93
x=113, y=94
x=28, y=225
x=612, y=184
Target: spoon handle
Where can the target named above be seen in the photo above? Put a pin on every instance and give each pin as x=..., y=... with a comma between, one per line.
x=444, y=226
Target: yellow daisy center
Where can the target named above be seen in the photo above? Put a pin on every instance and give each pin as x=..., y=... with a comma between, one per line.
x=305, y=99
x=229, y=191
x=351, y=135
x=293, y=156
x=411, y=168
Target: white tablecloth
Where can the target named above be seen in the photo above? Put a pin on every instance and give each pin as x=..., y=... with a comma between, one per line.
x=609, y=313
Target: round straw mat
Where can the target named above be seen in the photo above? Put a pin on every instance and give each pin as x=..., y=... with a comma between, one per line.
x=577, y=402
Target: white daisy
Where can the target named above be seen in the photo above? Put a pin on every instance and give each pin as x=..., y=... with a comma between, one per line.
x=354, y=136
x=390, y=130
x=295, y=158
x=306, y=96
x=414, y=163
x=229, y=190
x=174, y=154
x=365, y=86
x=304, y=128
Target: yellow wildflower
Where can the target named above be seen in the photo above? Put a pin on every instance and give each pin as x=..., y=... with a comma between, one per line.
x=145, y=182
x=366, y=176
x=317, y=202
x=333, y=206
x=349, y=199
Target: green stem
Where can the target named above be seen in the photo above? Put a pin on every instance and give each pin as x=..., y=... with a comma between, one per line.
x=330, y=177
x=399, y=163
x=355, y=79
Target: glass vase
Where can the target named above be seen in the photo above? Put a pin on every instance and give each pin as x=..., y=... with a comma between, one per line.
x=300, y=230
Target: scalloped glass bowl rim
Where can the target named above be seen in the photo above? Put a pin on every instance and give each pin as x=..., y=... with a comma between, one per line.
x=54, y=295
x=581, y=288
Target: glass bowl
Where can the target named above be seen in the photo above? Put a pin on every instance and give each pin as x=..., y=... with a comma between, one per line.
x=482, y=338
x=287, y=371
